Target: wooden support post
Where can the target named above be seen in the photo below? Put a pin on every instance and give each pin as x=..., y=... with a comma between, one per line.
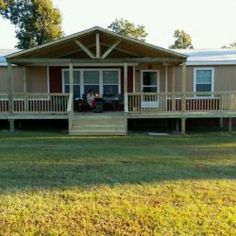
x=71, y=78
x=166, y=78
x=173, y=79
x=26, y=107
x=183, y=103
x=221, y=123
x=125, y=87
x=134, y=80
x=11, y=126
x=10, y=97
x=177, y=125
x=173, y=90
x=166, y=85
x=10, y=89
x=98, y=46
x=183, y=126
x=230, y=124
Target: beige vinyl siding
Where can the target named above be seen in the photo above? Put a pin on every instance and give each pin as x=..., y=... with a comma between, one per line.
x=3, y=79
x=37, y=81
x=171, y=70
x=189, y=79
x=224, y=80
x=17, y=75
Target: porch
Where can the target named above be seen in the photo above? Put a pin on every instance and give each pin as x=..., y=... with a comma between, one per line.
x=136, y=106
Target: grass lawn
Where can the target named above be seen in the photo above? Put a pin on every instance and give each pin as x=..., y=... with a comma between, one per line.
x=53, y=184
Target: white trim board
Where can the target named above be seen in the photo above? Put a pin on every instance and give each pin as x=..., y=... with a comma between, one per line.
x=210, y=63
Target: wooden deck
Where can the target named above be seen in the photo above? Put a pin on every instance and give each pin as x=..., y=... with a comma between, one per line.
x=137, y=106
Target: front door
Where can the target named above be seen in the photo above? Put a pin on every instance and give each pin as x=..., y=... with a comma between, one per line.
x=150, y=88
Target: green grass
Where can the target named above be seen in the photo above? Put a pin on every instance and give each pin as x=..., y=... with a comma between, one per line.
x=53, y=184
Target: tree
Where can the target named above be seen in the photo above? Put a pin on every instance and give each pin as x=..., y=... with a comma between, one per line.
x=183, y=40
x=36, y=21
x=2, y=5
x=129, y=29
x=231, y=45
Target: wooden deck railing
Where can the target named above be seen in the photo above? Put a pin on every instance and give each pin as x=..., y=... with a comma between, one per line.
x=4, y=102
x=134, y=102
x=34, y=102
x=177, y=102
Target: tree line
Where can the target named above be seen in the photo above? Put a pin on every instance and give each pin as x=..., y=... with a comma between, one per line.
x=38, y=22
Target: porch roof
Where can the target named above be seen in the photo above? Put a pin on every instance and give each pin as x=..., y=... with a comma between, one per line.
x=96, y=45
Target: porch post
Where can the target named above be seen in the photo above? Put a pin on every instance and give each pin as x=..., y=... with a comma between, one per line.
x=10, y=97
x=183, y=125
x=166, y=85
x=166, y=78
x=173, y=79
x=230, y=124
x=125, y=87
x=183, y=87
x=221, y=122
x=25, y=89
x=71, y=78
x=134, y=80
x=183, y=103
x=177, y=125
x=173, y=90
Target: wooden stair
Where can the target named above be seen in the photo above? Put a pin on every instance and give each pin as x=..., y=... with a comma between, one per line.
x=98, y=124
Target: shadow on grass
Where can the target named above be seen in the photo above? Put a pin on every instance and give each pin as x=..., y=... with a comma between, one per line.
x=71, y=175
x=44, y=163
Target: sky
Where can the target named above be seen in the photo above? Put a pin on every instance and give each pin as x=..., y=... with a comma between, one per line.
x=211, y=23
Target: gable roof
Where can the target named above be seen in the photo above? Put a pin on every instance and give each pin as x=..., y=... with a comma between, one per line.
x=67, y=48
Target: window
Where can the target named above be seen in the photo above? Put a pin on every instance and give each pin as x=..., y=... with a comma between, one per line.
x=76, y=82
x=91, y=81
x=110, y=83
x=105, y=82
x=150, y=81
x=203, y=79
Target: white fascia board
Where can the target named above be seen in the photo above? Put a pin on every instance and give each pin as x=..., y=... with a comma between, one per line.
x=210, y=63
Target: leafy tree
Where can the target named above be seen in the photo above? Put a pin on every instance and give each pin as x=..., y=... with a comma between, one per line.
x=2, y=5
x=231, y=45
x=129, y=29
x=183, y=40
x=36, y=21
